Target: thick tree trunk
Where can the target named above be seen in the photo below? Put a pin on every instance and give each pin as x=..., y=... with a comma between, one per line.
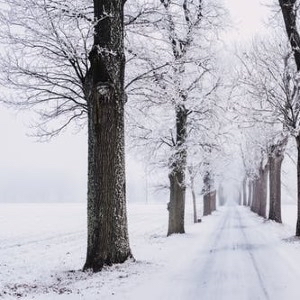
x=298, y=187
x=108, y=241
x=260, y=188
x=289, y=9
x=275, y=162
x=176, y=205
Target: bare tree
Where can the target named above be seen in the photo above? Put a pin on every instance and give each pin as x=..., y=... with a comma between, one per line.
x=108, y=241
x=276, y=155
x=268, y=76
x=289, y=9
x=67, y=61
x=175, y=91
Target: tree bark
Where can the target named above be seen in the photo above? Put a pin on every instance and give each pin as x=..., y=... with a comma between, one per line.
x=250, y=195
x=176, y=205
x=206, y=205
x=289, y=12
x=255, y=195
x=263, y=191
x=194, y=200
x=213, y=200
x=260, y=188
x=275, y=161
x=298, y=187
x=221, y=195
x=209, y=195
x=108, y=241
x=240, y=198
x=245, y=191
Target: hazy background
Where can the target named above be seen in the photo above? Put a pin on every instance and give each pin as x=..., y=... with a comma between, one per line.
x=57, y=171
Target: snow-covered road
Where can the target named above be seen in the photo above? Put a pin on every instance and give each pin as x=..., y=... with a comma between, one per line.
x=242, y=258
x=232, y=255
x=246, y=262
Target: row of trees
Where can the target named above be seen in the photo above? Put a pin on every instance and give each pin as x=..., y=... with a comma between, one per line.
x=66, y=60
x=270, y=79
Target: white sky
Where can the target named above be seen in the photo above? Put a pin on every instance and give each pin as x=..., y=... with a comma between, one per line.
x=57, y=171
x=248, y=17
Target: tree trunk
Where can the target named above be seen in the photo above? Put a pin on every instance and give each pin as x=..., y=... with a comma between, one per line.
x=298, y=187
x=221, y=195
x=176, y=205
x=108, y=241
x=250, y=195
x=206, y=205
x=255, y=195
x=213, y=200
x=263, y=191
x=245, y=191
x=240, y=198
x=208, y=197
x=275, y=162
x=289, y=12
x=194, y=200
x=289, y=9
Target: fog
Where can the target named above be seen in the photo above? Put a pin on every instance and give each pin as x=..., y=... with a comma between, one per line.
x=56, y=171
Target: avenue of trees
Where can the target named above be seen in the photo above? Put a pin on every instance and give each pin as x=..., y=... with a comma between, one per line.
x=154, y=66
x=270, y=80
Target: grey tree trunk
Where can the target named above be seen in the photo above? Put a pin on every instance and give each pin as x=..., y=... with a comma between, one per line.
x=298, y=186
x=255, y=195
x=259, y=201
x=250, y=194
x=245, y=191
x=240, y=197
x=263, y=191
x=289, y=13
x=194, y=200
x=213, y=200
x=221, y=195
x=207, y=205
x=275, y=161
x=289, y=9
x=108, y=241
x=208, y=193
x=176, y=206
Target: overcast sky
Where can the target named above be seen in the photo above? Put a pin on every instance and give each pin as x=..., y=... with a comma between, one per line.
x=57, y=170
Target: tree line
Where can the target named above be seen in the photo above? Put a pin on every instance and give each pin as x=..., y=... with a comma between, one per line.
x=66, y=60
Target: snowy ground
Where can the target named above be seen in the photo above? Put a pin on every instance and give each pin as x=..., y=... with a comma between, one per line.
x=232, y=254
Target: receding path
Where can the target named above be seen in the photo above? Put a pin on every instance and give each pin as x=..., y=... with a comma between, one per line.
x=246, y=262
x=242, y=258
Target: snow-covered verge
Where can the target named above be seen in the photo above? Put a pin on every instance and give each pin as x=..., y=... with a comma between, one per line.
x=42, y=248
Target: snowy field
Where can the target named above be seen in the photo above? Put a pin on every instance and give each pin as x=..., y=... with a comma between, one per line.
x=232, y=254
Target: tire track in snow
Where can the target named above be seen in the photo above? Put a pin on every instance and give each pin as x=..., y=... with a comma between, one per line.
x=255, y=265
x=231, y=262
